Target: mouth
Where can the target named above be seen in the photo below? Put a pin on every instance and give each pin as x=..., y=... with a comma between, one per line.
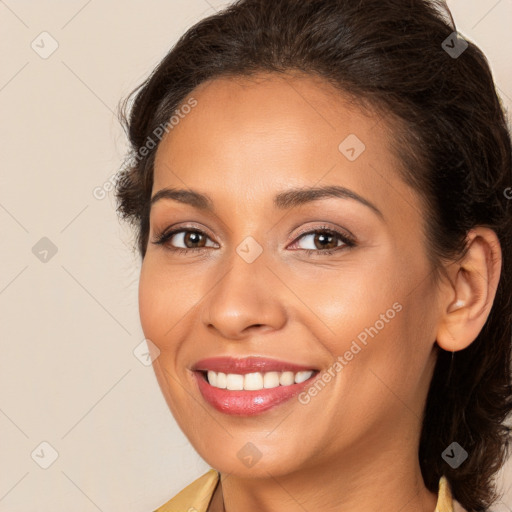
x=251, y=392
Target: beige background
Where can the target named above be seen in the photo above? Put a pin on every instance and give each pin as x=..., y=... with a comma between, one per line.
x=69, y=326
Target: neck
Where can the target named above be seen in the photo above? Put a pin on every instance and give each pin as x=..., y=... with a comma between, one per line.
x=363, y=483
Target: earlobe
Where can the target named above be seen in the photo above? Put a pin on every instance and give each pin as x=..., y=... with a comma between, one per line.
x=469, y=297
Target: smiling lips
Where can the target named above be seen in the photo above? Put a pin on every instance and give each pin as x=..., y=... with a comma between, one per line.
x=250, y=385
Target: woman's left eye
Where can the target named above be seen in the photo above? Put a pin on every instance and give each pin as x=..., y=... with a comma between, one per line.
x=321, y=240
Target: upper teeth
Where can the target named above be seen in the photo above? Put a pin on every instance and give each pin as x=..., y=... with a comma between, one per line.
x=256, y=380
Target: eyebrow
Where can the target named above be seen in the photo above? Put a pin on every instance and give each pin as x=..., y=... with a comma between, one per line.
x=284, y=200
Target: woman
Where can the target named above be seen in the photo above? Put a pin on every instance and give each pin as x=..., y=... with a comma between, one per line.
x=319, y=191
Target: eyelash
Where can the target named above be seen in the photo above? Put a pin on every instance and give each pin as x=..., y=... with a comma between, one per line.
x=348, y=242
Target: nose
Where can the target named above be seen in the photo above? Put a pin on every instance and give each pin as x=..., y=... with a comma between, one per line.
x=244, y=300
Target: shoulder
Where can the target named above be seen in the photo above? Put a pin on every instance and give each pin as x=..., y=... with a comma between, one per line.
x=445, y=500
x=195, y=497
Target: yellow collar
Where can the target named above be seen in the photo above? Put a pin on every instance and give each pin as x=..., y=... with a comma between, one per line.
x=196, y=496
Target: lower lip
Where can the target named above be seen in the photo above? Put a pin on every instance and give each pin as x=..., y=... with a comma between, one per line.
x=248, y=403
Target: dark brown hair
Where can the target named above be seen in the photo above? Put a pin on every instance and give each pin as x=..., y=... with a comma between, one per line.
x=450, y=134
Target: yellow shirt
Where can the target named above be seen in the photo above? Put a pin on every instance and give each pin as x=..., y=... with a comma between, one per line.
x=197, y=496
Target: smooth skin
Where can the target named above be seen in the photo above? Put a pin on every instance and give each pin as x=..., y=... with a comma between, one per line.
x=354, y=446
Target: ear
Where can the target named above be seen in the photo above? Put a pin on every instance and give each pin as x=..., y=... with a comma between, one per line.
x=468, y=297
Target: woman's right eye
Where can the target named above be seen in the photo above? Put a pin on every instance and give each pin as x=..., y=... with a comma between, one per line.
x=182, y=236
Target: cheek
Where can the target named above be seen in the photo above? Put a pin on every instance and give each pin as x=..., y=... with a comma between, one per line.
x=393, y=338
x=379, y=315
x=356, y=298
x=168, y=301
x=159, y=304
x=160, y=310
x=147, y=306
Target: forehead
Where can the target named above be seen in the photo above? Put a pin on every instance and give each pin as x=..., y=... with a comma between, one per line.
x=271, y=131
x=292, y=112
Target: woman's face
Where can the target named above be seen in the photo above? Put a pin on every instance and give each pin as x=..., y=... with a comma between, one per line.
x=259, y=280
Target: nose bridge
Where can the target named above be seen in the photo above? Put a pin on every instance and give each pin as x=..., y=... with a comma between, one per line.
x=242, y=296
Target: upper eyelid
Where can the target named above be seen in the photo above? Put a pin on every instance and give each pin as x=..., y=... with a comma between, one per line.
x=340, y=231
